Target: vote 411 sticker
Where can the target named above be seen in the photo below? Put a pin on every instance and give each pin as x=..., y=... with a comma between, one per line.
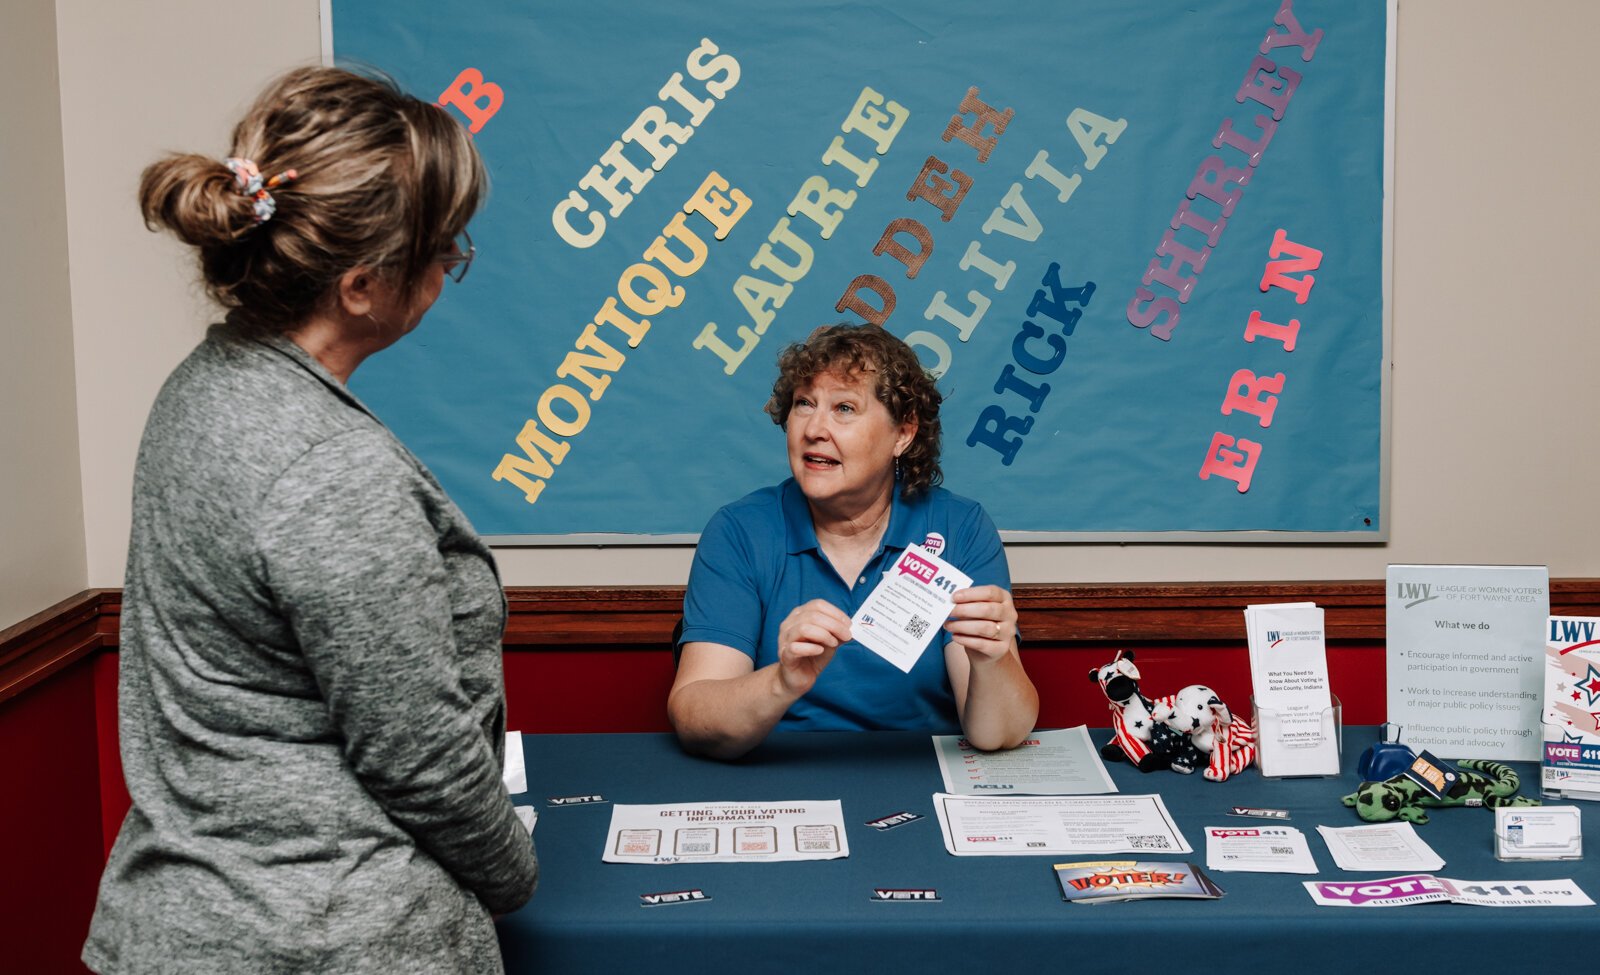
x=1424, y=888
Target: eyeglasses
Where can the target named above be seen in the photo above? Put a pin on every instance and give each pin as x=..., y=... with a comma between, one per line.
x=460, y=257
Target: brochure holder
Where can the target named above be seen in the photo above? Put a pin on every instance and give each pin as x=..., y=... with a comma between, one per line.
x=1282, y=762
x=1538, y=833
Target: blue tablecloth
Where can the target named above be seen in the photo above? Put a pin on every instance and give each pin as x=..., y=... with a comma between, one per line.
x=995, y=911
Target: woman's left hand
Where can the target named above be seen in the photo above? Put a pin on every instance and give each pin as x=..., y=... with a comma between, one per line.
x=983, y=621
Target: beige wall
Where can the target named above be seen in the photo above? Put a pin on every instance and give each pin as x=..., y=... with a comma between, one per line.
x=41, y=500
x=1492, y=409
x=137, y=80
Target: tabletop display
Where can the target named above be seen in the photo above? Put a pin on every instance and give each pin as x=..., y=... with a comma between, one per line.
x=900, y=900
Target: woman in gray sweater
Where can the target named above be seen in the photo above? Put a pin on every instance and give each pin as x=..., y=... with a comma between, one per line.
x=312, y=703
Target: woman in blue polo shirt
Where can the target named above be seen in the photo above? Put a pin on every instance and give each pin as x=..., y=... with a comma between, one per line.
x=779, y=573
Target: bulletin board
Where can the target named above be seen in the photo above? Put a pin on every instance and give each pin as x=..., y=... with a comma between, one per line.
x=1143, y=245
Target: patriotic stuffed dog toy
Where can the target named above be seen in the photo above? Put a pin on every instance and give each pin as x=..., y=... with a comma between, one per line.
x=1224, y=744
x=1184, y=731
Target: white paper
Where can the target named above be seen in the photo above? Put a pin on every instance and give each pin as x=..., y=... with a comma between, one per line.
x=1296, y=733
x=1027, y=825
x=727, y=832
x=1258, y=849
x=528, y=816
x=1464, y=658
x=904, y=612
x=515, y=773
x=1517, y=893
x=1048, y=763
x=1381, y=846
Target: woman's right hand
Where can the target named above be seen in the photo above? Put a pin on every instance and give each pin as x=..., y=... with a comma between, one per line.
x=807, y=638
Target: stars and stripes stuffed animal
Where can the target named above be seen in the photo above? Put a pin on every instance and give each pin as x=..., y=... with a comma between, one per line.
x=1132, y=725
x=1224, y=744
x=1183, y=731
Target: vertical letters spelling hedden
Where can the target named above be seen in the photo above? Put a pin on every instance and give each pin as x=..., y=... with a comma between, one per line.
x=615, y=179
x=1169, y=279
x=975, y=123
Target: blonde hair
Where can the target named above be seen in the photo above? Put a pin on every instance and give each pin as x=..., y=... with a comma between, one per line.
x=384, y=180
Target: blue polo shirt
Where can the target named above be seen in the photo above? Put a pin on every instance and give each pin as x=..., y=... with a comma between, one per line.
x=758, y=559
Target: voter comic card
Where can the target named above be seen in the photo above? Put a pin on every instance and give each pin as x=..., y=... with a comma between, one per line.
x=909, y=605
x=1107, y=881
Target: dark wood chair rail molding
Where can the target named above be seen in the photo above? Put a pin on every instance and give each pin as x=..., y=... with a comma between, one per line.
x=50, y=640
x=613, y=617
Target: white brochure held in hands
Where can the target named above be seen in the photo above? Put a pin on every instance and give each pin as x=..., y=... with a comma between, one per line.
x=1296, y=732
x=912, y=600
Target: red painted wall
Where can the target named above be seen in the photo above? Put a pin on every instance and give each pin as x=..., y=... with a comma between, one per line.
x=50, y=812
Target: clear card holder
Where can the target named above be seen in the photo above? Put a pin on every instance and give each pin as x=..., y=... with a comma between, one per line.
x=1299, y=745
x=1538, y=833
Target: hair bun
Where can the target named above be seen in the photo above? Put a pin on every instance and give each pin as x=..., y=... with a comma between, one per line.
x=330, y=170
x=195, y=197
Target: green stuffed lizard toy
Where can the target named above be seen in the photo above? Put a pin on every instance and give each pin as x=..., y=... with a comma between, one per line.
x=1481, y=783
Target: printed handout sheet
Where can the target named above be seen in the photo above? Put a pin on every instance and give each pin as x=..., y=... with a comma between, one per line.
x=1049, y=763
x=727, y=832
x=1073, y=825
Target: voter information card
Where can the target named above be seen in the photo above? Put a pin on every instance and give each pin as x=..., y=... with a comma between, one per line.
x=909, y=605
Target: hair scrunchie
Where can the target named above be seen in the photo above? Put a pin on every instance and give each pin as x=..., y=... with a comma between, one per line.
x=247, y=180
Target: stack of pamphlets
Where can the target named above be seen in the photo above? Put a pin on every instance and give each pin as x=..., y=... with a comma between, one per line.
x=1106, y=881
x=1297, y=731
x=1570, y=764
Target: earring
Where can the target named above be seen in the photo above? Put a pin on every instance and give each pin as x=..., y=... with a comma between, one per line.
x=897, y=468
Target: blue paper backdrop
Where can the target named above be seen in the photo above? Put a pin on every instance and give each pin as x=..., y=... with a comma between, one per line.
x=1116, y=444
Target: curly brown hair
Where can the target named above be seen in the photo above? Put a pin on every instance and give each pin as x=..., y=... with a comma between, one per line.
x=385, y=180
x=902, y=385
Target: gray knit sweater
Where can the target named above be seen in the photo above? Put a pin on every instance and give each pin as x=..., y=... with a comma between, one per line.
x=312, y=705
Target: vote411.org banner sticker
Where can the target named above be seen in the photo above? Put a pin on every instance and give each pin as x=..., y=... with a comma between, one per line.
x=1424, y=888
